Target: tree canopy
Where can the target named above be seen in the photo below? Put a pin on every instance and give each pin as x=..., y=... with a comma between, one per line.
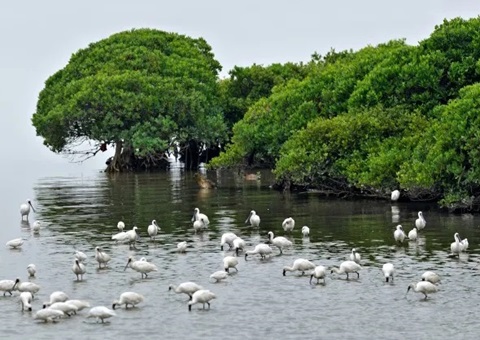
x=143, y=91
x=392, y=116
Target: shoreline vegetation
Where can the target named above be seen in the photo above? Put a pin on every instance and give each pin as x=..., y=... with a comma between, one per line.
x=347, y=124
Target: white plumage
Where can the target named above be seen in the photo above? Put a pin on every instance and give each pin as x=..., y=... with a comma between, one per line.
x=239, y=244
x=431, y=277
x=203, y=296
x=67, y=308
x=456, y=246
x=152, y=229
x=253, y=219
x=79, y=269
x=36, y=227
x=25, y=209
x=388, y=271
x=300, y=265
x=395, y=195
x=128, y=298
x=31, y=270
x=132, y=236
x=399, y=234
x=219, y=275
x=182, y=246
x=319, y=272
x=288, y=224
x=15, y=243
x=57, y=296
x=80, y=304
x=48, y=314
x=420, y=222
x=26, y=286
x=261, y=249
x=186, y=288
x=197, y=215
x=280, y=242
x=80, y=256
x=26, y=300
x=355, y=256
x=227, y=238
x=142, y=266
x=424, y=287
x=347, y=267
x=230, y=262
x=101, y=313
x=120, y=225
x=101, y=257
x=412, y=234
x=305, y=231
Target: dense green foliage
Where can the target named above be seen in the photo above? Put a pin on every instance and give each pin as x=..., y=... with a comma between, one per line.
x=384, y=117
x=140, y=90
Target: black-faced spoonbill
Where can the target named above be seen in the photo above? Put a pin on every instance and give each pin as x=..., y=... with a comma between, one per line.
x=412, y=234
x=26, y=300
x=152, y=229
x=423, y=287
x=261, y=249
x=15, y=243
x=67, y=308
x=141, y=266
x=31, y=270
x=420, y=222
x=431, y=277
x=239, y=244
x=128, y=298
x=253, y=219
x=7, y=286
x=219, y=275
x=186, y=288
x=132, y=236
x=101, y=313
x=355, y=256
x=57, y=296
x=79, y=269
x=280, y=242
x=79, y=304
x=300, y=265
x=120, y=225
x=101, y=257
x=395, y=195
x=36, y=227
x=197, y=215
x=388, y=271
x=305, y=231
x=230, y=262
x=399, y=234
x=80, y=256
x=347, y=267
x=201, y=296
x=199, y=225
x=48, y=315
x=25, y=209
x=288, y=224
x=456, y=247
x=227, y=238
x=182, y=246
x=27, y=287
x=320, y=272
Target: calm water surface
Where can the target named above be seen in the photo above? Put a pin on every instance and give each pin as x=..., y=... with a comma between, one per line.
x=81, y=211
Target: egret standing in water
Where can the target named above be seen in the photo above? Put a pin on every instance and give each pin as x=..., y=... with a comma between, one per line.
x=25, y=209
x=253, y=219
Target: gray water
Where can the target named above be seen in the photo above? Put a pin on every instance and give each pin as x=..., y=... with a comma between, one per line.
x=80, y=212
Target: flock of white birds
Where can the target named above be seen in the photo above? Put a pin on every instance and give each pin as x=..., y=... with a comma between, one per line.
x=60, y=305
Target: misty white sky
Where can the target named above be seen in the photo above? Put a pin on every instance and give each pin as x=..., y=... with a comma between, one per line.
x=38, y=38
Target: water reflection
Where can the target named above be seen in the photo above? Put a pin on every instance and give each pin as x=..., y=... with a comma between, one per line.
x=80, y=213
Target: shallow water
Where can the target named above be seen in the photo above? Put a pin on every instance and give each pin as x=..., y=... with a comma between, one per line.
x=81, y=212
